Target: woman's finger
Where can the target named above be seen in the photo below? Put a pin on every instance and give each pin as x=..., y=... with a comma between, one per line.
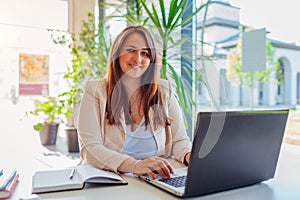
x=155, y=164
x=160, y=167
x=160, y=172
x=146, y=166
x=151, y=174
x=168, y=165
x=165, y=170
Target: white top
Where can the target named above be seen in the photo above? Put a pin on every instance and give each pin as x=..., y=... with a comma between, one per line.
x=140, y=143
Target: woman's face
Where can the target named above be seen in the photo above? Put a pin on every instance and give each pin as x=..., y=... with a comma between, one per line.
x=134, y=56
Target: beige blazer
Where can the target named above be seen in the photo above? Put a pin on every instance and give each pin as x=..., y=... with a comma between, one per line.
x=101, y=143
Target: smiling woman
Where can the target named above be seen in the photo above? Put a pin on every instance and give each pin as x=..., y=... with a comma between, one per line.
x=130, y=121
x=135, y=56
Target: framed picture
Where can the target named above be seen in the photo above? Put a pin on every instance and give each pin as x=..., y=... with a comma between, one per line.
x=33, y=74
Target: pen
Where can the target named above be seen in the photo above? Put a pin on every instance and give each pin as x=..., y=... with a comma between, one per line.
x=72, y=173
x=8, y=180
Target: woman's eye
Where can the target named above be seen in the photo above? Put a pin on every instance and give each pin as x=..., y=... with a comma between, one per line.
x=130, y=50
x=145, y=54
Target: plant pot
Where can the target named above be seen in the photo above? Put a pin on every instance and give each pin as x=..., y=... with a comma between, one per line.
x=72, y=139
x=48, y=134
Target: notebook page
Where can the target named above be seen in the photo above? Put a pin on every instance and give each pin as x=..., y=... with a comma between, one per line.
x=52, y=180
x=95, y=175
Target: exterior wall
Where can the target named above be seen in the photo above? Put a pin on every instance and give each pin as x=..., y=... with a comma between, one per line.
x=292, y=58
x=221, y=10
x=217, y=33
x=235, y=95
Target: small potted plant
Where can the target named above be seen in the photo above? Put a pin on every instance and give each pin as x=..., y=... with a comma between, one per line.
x=50, y=109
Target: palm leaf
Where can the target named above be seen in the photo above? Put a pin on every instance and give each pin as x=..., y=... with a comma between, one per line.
x=163, y=12
x=180, y=89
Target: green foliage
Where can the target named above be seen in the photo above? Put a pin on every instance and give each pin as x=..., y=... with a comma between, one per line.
x=38, y=127
x=51, y=109
x=134, y=15
x=130, y=11
x=89, y=58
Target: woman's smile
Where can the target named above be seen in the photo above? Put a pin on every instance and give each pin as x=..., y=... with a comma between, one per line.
x=135, y=57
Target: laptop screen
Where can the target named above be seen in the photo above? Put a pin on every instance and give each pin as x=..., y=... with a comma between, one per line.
x=233, y=149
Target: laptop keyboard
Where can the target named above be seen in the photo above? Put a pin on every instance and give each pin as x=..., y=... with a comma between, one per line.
x=178, y=181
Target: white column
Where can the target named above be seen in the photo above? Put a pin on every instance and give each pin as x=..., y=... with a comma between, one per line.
x=272, y=89
x=77, y=12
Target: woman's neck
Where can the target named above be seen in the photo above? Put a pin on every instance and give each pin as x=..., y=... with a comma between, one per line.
x=133, y=90
x=131, y=85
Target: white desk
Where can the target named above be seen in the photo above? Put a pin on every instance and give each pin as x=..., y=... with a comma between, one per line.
x=285, y=185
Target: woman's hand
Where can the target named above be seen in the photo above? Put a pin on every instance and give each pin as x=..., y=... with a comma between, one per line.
x=187, y=158
x=151, y=165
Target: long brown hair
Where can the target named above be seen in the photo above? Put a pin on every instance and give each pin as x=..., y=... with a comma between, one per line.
x=117, y=98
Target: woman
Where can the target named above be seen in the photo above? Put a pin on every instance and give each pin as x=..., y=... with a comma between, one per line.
x=130, y=121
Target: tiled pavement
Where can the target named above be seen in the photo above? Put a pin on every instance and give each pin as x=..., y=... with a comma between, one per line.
x=292, y=133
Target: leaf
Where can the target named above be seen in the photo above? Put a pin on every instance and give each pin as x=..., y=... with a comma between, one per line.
x=38, y=127
x=163, y=13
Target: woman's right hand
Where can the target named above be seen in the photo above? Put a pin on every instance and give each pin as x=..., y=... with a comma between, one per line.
x=151, y=165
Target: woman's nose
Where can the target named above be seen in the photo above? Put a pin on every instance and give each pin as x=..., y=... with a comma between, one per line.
x=138, y=57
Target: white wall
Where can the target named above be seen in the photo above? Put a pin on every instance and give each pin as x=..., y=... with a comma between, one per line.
x=23, y=29
x=294, y=60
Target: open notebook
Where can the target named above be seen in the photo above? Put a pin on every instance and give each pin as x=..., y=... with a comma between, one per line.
x=59, y=179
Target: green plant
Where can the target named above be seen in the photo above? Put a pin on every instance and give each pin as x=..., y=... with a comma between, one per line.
x=50, y=109
x=89, y=53
x=89, y=56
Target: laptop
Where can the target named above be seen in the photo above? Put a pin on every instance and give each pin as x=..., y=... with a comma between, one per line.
x=230, y=149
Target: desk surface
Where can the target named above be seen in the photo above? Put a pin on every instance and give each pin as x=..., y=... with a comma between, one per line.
x=284, y=186
x=19, y=145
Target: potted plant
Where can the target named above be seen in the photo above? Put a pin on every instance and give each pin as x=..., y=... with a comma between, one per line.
x=50, y=109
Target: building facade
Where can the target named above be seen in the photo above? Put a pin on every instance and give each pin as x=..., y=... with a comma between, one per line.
x=221, y=29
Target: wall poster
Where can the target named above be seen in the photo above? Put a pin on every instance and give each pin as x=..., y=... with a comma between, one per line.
x=33, y=74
